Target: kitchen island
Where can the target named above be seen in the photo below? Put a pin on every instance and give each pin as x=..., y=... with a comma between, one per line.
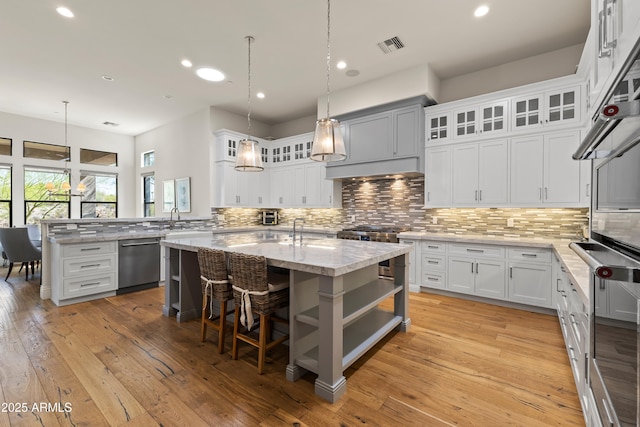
x=335, y=294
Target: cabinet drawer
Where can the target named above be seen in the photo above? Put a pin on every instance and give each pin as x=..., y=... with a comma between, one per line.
x=81, y=286
x=433, y=262
x=433, y=280
x=428, y=246
x=477, y=251
x=529, y=254
x=86, y=249
x=88, y=265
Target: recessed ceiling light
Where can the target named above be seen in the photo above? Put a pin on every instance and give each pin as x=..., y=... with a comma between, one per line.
x=353, y=73
x=167, y=96
x=108, y=78
x=65, y=12
x=341, y=65
x=481, y=11
x=186, y=63
x=260, y=95
x=210, y=74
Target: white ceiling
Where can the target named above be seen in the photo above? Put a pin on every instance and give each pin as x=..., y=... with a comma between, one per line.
x=46, y=58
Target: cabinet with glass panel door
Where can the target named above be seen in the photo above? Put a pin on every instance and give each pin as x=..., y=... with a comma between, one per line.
x=551, y=108
x=485, y=119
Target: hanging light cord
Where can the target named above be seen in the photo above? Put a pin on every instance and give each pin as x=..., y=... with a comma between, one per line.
x=66, y=104
x=249, y=38
x=328, y=51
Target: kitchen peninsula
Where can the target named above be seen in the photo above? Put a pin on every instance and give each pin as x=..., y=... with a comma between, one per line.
x=334, y=295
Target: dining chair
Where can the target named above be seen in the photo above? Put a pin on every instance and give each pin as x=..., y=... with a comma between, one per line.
x=18, y=248
x=215, y=286
x=257, y=290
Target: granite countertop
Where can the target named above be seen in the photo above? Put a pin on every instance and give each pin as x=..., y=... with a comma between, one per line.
x=118, y=220
x=573, y=264
x=328, y=257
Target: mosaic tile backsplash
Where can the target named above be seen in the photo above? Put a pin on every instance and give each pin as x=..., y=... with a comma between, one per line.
x=400, y=203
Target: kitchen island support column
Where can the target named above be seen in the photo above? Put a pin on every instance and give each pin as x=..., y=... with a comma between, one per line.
x=330, y=384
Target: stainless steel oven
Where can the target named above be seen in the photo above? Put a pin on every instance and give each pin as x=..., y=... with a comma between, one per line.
x=371, y=233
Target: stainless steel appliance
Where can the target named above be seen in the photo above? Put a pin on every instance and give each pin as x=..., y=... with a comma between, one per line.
x=138, y=264
x=613, y=252
x=269, y=217
x=375, y=234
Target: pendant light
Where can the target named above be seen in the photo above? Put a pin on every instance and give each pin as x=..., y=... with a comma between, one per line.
x=248, y=158
x=65, y=188
x=328, y=145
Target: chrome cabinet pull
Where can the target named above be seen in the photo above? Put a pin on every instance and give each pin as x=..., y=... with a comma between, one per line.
x=477, y=270
x=476, y=197
x=481, y=195
x=558, y=285
x=475, y=250
x=530, y=255
x=89, y=284
x=90, y=265
x=471, y=268
x=587, y=193
x=510, y=272
x=88, y=249
x=539, y=193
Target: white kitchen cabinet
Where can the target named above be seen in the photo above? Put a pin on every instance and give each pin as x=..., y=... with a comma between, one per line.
x=530, y=278
x=243, y=189
x=330, y=190
x=554, y=107
x=480, y=173
x=414, y=266
x=281, y=189
x=433, y=264
x=543, y=172
x=487, y=119
x=438, y=177
x=83, y=271
x=306, y=184
x=438, y=126
x=477, y=270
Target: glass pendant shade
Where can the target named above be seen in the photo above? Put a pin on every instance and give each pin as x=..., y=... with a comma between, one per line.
x=65, y=186
x=328, y=145
x=248, y=158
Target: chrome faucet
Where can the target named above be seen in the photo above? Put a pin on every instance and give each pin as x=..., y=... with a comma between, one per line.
x=295, y=221
x=171, y=222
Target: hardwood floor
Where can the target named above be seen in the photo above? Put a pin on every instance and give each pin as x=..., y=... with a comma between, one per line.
x=118, y=361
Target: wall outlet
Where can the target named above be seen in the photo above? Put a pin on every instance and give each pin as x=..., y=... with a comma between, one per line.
x=510, y=222
x=352, y=218
x=220, y=217
x=434, y=219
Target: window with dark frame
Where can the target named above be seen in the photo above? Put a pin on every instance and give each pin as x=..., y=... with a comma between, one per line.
x=95, y=157
x=6, y=219
x=40, y=150
x=148, y=191
x=38, y=204
x=100, y=196
x=6, y=145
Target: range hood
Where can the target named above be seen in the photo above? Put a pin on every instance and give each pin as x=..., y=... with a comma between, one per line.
x=383, y=142
x=618, y=119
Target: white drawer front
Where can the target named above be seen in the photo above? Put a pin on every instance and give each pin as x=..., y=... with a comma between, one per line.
x=433, y=280
x=428, y=246
x=530, y=254
x=81, y=286
x=88, y=265
x=477, y=251
x=433, y=262
x=87, y=249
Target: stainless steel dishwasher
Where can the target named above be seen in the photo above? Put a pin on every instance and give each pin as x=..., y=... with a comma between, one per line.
x=138, y=264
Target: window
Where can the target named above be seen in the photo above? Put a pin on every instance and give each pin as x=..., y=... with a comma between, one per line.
x=148, y=158
x=38, y=150
x=5, y=196
x=95, y=157
x=100, y=196
x=38, y=204
x=5, y=146
x=148, y=190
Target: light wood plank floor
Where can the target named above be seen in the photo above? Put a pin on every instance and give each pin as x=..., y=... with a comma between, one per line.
x=118, y=361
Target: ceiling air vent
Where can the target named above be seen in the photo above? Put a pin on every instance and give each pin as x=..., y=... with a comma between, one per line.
x=110, y=124
x=393, y=44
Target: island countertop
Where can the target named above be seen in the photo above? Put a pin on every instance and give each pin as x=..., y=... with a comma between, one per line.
x=327, y=257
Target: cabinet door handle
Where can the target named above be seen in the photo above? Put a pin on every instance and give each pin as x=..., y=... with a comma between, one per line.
x=546, y=193
x=510, y=272
x=477, y=270
x=475, y=250
x=476, y=197
x=587, y=192
x=558, y=285
x=428, y=196
x=432, y=262
x=89, y=284
x=433, y=247
x=471, y=268
x=480, y=195
x=88, y=249
x=530, y=255
x=539, y=193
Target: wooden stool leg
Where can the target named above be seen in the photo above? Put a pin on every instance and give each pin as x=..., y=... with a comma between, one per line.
x=236, y=323
x=262, y=344
x=203, y=326
x=223, y=326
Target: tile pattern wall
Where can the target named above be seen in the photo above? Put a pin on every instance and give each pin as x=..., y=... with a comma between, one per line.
x=138, y=226
x=399, y=203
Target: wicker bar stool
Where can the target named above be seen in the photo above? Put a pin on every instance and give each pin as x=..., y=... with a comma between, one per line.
x=257, y=290
x=215, y=285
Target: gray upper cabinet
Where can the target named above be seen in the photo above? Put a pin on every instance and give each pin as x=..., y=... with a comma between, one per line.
x=387, y=139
